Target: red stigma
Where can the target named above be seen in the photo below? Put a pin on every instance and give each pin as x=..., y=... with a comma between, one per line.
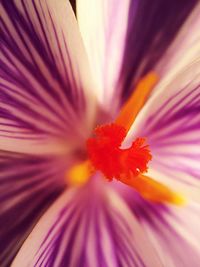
x=114, y=162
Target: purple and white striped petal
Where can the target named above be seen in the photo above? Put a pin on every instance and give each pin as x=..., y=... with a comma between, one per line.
x=103, y=25
x=174, y=231
x=28, y=185
x=126, y=39
x=46, y=86
x=88, y=227
x=152, y=27
x=185, y=48
x=171, y=122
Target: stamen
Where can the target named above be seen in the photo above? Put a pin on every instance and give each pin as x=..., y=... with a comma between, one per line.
x=136, y=101
x=79, y=174
x=153, y=190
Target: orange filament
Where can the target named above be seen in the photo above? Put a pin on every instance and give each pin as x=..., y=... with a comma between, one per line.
x=136, y=101
x=107, y=156
x=153, y=190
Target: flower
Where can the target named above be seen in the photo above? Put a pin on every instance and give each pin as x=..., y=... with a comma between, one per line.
x=56, y=207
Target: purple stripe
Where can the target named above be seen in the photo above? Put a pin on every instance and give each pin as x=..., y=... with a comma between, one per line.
x=7, y=99
x=172, y=130
x=26, y=84
x=71, y=217
x=28, y=173
x=55, y=241
x=159, y=220
x=68, y=103
x=169, y=115
x=151, y=29
x=127, y=246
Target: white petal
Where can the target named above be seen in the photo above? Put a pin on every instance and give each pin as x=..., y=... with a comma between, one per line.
x=103, y=25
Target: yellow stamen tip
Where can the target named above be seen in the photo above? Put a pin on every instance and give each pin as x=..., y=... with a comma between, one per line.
x=79, y=174
x=153, y=190
x=179, y=200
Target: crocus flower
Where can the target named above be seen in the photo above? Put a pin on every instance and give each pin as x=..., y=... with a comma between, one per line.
x=99, y=133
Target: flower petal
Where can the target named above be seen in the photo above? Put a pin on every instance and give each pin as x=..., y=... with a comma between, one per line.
x=126, y=39
x=87, y=227
x=45, y=78
x=174, y=231
x=171, y=122
x=28, y=185
x=184, y=49
x=152, y=27
x=104, y=34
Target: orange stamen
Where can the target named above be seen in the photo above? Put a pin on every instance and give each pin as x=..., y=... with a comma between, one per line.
x=153, y=190
x=136, y=101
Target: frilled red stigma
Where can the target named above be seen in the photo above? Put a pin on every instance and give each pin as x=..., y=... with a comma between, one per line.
x=114, y=162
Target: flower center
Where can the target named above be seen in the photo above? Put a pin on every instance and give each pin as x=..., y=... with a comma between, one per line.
x=126, y=165
x=106, y=155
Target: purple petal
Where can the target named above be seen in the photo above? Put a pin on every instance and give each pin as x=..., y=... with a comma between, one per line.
x=174, y=231
x=87, y=227
x=44, y=73
x=151, y=29
x=171, y=122
x=28, y=185
x=185, y=48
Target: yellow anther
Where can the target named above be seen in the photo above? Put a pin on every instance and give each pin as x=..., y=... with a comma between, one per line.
x=80, y=173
